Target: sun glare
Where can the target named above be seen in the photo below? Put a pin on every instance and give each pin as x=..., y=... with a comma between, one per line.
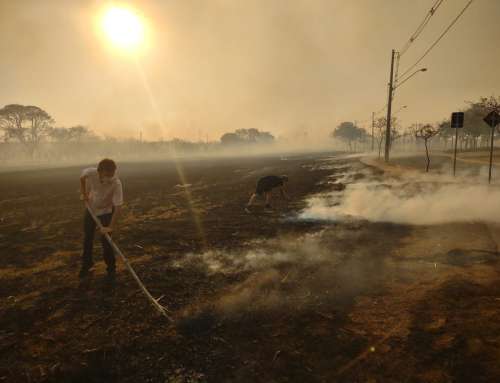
x=123, y=28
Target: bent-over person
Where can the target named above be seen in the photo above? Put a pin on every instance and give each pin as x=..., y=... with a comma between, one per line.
x=265, y=186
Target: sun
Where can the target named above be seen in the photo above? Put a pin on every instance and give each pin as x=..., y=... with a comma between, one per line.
x=123, y=28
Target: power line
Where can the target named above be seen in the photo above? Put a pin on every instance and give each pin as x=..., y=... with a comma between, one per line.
x=439, y=38
x=396, y=75
x=421, y=27
x=414, y=36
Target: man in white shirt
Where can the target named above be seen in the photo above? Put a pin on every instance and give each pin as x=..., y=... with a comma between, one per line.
x=102, y=189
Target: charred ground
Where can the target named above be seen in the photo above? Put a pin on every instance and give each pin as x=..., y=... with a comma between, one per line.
x=256, y=297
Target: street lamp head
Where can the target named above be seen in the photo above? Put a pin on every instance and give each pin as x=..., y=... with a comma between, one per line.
x=423, y=70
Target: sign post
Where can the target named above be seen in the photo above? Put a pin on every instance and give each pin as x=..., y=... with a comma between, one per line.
x=457, y=121
x=492, y=119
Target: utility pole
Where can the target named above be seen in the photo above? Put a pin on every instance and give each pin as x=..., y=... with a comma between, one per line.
x=355, y=141
x=373, y=128
x=491, y=153
x=389, y=106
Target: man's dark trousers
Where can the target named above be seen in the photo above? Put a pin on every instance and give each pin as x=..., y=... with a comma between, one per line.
x=89, y=227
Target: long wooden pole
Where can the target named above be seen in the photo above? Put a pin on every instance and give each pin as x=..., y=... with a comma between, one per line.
x=389, y=108
x=153, y=301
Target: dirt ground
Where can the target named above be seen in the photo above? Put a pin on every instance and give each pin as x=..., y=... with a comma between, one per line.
x=260, y=297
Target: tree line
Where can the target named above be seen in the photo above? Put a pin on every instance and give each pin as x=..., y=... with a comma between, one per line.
x=31, y=131
x=473, y=136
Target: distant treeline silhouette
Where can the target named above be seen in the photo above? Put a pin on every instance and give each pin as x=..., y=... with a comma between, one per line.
x=30, y=133
x=473, y=136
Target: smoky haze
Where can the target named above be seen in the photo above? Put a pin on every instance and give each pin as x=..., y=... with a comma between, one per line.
x=294, y=68
x=409, y=198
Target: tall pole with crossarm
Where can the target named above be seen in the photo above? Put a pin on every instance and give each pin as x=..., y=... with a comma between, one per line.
x=389, y=107
x=392, y=87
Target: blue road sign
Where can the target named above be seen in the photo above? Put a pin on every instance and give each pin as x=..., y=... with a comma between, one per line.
x=457, y=120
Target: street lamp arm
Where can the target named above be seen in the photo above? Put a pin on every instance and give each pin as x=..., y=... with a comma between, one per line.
x=400, y=109
x=410, y=76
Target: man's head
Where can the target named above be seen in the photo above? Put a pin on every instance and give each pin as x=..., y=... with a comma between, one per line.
x=106, y=169
x=284, y=178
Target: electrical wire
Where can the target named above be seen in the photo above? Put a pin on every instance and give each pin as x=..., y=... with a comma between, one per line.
x=421, y=27
x=438, y=39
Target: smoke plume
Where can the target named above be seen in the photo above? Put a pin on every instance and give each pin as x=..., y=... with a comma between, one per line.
x=410, y=199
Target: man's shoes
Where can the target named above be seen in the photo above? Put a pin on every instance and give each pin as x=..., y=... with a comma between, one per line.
x=247, y=209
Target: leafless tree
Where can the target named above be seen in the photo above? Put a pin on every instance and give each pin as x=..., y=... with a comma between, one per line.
x=426, y=132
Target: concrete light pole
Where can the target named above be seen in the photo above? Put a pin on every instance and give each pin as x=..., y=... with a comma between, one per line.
x=389, y=104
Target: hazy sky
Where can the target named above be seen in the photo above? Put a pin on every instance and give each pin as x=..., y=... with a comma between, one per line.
x=212, y=66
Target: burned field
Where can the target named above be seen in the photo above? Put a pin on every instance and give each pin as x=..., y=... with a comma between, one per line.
x=262, y=297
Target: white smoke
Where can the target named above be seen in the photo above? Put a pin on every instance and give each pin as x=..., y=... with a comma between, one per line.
x=262, y=255
x=268, y=271
x=411, y=198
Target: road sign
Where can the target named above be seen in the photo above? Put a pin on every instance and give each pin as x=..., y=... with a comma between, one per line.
x=492, y=119
x=457, y=120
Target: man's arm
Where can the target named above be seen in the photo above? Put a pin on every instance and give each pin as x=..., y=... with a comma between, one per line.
x=117, y=203
x=84, y=195
x=116, y=213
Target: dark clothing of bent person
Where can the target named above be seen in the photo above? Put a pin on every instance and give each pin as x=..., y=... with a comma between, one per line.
x=265, y=185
